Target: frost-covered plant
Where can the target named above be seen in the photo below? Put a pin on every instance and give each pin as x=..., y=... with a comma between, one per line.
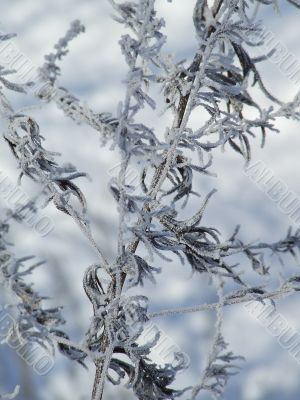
x=219, y=82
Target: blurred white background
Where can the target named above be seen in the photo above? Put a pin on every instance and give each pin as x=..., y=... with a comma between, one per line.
x=93, y=71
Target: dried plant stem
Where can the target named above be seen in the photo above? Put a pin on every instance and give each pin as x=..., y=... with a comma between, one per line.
x=118, y=281
x=277, y=294
x=182, y=116
x=215, y=84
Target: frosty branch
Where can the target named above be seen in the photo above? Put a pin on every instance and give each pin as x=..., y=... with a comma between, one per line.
x=218, y=83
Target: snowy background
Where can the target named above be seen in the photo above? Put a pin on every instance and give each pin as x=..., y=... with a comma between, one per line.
x=93, y=71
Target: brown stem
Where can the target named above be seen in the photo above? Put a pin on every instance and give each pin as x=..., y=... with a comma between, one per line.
x=132, y=247
x=96, y=395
